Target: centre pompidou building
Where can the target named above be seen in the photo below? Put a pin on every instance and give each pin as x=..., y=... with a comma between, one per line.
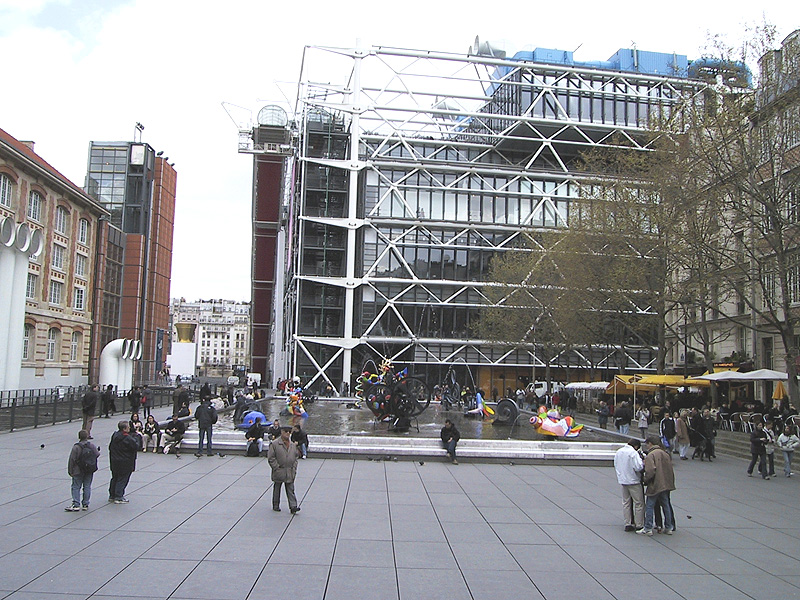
x=412, y=170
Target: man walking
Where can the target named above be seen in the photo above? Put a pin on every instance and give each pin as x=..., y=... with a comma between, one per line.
x=122, y=457
x=282, y=456
x=88, y=407
x=629, y=465
x=206, y=416
x=81, y=467
x=660, y=479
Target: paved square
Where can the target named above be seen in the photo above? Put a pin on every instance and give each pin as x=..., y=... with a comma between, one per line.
x=204, y=528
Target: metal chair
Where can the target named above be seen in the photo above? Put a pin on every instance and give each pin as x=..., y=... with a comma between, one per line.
x=754, y=419
x=736, y=422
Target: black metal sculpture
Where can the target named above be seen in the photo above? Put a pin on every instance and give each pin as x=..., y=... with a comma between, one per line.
x=392, y=397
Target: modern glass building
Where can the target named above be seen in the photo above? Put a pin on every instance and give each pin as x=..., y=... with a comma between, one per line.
x=412, y=170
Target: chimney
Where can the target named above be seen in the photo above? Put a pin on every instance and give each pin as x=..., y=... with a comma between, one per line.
x=28, y=143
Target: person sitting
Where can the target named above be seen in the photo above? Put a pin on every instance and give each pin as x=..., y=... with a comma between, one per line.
x=274, y=432
x=137, y=427
x=300, y=438
x=255, y=437
x=150, y=433
x=173, y=434
x=184, y=410
x=450, y=437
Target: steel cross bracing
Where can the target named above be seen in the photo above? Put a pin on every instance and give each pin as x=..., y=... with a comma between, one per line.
x=437, y=144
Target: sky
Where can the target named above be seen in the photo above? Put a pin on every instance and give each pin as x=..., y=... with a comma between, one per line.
x=76, y=71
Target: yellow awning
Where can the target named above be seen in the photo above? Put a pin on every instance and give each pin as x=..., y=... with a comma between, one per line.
x=672, y=381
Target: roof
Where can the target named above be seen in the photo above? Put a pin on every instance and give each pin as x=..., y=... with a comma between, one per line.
x=21, y=148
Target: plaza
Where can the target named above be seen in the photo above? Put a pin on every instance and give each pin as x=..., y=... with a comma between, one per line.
x=204, y=528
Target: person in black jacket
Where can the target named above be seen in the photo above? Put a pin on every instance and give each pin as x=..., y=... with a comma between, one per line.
x=88, y=407
x=206, y=416
x=122, y=457
x=173, y=434
x=450, y=437
x=300, y=438
x=108, y=398
x=255, y=434
x=758, y=451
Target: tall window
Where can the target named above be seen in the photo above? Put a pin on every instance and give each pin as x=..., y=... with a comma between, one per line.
x=26, y=341
x=83, y=231
x=56, y=292
x=35, y=206
x=80, y=265
x=80, y=298
x=5, y=190
x=74, y=346
x=52, y=343
x=30, y=287
x=61, y=220
x=58, y=257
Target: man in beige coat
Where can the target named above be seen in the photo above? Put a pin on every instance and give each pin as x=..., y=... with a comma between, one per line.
x=660, y=480
x=282, y=456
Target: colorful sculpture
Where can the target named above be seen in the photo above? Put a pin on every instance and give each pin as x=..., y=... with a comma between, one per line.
x=550, y=422
x=251, y=418
x=294, y=404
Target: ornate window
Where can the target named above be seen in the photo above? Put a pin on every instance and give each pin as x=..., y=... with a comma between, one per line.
x=79, y=297
x=74, y=346
x=52, y=343
x=58, y=257
x=26, y=341
x=83, y=231
x=56, y=292
x=80, y=265
x=5, y=190
x=35, y=206
x=61, y=220
x=30, y=287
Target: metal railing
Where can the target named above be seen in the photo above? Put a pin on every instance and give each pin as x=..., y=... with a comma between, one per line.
x=21, y=409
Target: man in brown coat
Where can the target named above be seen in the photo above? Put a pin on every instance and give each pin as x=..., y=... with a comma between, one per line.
x=282, y=456
x=660, y=480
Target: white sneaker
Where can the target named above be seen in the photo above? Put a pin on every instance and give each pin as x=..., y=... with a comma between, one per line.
x=644, y=531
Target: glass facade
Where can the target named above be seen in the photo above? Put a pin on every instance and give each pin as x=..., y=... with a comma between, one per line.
x=394, y=264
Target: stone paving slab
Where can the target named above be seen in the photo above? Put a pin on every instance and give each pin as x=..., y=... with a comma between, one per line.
x=204, y=528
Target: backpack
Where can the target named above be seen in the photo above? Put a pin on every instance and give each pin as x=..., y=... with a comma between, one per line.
x=252, y=448
x=87, y=459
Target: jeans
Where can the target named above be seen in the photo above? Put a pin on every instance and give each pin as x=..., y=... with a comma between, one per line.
x=204, y=431
x=451, y=448
x=787, y=462
x=303, y=450
x=761, y=459
x=771, y=463
x=119, y=481
x=85, y=482
x=661, y=498
x=624, y=428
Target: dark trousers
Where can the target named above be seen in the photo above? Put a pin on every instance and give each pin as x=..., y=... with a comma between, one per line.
x=771, y=463
x=761, y=459
x=119, y=481
x=204, y=432
x=276, y=494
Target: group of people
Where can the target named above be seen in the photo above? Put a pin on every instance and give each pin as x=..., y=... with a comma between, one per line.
x=764, y=441
x=647, y=478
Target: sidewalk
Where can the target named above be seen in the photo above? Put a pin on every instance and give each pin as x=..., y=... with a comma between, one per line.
x=204, y=528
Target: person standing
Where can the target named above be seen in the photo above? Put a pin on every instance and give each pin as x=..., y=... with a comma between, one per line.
x=770, y=447
x=450, y=436
x=659, y=477
x=134, y=399
x=282, y=457
x=682, y=438
x=206, y=416
x=758, y=451
x=88, y=407
x=643, y=419
x=623, y=417
x=81, y=466
x=108, y=403
x=629, y=465
x=147, y=401
x=667, y=429
x=602, y=415
x=122, y=458
x=787, y=442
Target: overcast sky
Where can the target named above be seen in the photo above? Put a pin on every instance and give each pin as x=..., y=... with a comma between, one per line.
x=81, y=70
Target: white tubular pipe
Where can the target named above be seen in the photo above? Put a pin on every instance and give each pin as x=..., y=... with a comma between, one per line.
x=116, y=363
x=16, y=322
x=8, y=238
